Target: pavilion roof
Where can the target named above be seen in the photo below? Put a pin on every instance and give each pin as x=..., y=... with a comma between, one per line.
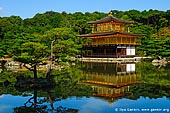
x=109, y=19
x=109, y=33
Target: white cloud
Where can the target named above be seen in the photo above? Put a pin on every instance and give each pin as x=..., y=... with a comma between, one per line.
x=1, y=96
x=89, y=106
x=1, y=9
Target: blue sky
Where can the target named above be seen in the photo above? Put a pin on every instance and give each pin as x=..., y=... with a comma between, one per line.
x=28, y=8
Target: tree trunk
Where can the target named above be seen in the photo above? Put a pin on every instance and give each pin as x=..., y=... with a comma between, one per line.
x=51, y=61
x=49, y=71
x=3, y=65
x=51, y=100
x=35, y=98
x=35, y=72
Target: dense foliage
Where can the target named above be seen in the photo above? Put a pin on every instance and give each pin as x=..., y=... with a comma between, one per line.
x=63, y=28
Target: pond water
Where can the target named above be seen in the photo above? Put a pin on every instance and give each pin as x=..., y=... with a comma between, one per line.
x=93, y=88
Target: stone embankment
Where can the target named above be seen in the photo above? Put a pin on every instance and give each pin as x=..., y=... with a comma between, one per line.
x=159, y=61
x=117, y=60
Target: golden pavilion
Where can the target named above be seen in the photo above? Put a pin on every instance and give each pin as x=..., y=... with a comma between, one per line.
x=110, y=38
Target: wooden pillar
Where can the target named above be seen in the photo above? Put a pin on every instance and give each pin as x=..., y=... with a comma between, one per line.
x=91, y=51
x=105, y=67
x=104, y=51
x=116, y=50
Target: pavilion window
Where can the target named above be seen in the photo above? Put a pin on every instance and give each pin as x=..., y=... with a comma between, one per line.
x=128, y=40
x=124, y=40
x=99, y=29
x=94, y=29
x=104, y=28
x=110, y=27
x=133, y=40
x=119, y=40
x=108, y=40
x=122, y=29
x=117, y=27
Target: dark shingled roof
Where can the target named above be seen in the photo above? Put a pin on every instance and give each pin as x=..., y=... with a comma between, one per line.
x=109, y=19
x=109, y=33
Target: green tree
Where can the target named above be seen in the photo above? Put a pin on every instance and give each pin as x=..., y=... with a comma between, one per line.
x=66, y=44
x=32, y=54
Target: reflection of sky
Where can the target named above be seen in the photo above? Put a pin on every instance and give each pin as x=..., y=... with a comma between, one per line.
x=8, y=102
x=5, y=109
x=143, y=103
x=87, y=105
x=96, y=105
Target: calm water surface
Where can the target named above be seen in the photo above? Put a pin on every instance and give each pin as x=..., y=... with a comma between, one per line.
x=94, y=88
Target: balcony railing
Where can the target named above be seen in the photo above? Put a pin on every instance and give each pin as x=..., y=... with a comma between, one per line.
x=107, y=41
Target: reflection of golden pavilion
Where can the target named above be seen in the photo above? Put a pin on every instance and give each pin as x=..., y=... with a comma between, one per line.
x=109, y=93
x=110, y=80
x=113, y=75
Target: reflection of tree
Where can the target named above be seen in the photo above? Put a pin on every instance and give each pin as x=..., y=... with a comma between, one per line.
x=154, y=75
x=44, y=99
x=7, y=75
x=67, y=84
x=31, y=106
x=157, y=82
x=34, y=105
x=149, y=90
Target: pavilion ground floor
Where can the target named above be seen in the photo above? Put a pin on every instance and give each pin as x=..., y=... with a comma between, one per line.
x=109, y=51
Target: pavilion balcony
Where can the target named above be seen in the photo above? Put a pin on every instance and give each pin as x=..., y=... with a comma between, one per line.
x=112, y=41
